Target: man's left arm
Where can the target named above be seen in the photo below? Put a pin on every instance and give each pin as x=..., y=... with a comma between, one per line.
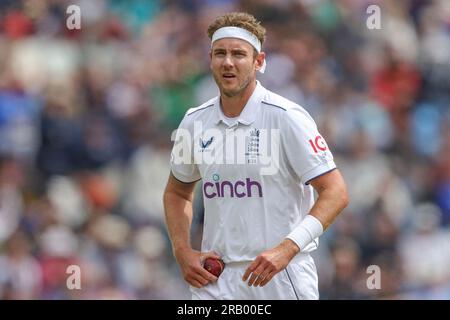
x=332, y=199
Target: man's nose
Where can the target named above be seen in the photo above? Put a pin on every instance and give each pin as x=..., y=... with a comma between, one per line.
x=227, y=61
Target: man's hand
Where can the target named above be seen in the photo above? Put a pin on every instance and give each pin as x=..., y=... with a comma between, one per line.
x=270, y=262
x=191, y=264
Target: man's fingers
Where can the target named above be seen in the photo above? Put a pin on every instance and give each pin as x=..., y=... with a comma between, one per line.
x=252, y=278
x=262, y=276
x=252, y=267
x=202, y=272
x=195, y=283
x=267, y=279
x=199, y=279
x=256, y=274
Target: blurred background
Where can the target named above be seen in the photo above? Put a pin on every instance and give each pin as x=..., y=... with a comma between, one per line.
x=86, y=118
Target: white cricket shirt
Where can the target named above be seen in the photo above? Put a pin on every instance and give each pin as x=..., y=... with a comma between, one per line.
x=249, y=210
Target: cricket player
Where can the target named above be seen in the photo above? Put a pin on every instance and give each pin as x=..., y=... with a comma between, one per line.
x=259, y=157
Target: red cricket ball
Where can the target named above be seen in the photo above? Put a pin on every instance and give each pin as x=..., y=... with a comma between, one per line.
x=214, y=266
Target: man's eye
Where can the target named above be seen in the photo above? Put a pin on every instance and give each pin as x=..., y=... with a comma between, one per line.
x=219, y=54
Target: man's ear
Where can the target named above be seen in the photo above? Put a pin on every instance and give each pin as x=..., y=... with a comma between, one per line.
x=260, y=60
x=210, y=59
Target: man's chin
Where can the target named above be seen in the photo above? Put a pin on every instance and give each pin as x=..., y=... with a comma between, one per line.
x=230, y=93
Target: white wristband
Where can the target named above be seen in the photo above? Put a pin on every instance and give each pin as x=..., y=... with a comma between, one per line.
x=309, y=229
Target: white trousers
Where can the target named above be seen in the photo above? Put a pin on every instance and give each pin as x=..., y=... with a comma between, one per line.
x=297, y=282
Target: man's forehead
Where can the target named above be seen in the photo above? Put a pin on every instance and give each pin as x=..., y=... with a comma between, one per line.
x=232, y=43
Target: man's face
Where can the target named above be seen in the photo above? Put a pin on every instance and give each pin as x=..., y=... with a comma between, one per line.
x=233, y=65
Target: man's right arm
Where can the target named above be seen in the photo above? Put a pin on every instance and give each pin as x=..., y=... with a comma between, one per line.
x=178, y=197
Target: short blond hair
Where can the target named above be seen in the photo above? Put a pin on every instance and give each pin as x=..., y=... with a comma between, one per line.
x=238, y=19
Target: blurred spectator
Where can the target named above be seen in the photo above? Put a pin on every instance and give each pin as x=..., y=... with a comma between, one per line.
x=21, y=276
x=425, y=261
x=11, y=203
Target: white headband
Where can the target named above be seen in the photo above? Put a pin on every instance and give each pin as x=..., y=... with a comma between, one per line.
x=239, y=33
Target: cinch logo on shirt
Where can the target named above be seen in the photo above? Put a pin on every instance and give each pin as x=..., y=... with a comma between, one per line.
x=239, y=189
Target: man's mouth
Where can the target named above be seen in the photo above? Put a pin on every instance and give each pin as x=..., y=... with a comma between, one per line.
x=228, y=76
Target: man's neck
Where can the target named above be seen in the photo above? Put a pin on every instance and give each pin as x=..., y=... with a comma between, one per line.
x=233, y=106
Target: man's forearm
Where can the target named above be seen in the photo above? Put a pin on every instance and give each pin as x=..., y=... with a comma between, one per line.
x=178, y=212
x=328, y=206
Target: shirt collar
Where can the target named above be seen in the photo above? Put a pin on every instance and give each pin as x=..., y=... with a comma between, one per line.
x=248, y=114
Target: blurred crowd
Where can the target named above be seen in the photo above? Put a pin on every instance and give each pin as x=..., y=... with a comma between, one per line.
x=86, y=118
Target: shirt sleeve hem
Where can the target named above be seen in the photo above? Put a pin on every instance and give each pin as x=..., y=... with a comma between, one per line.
x=183, y=179
x=318, y=171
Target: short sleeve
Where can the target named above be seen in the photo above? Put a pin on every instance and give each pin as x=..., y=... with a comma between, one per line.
x=306, y=150
x=182, y=162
